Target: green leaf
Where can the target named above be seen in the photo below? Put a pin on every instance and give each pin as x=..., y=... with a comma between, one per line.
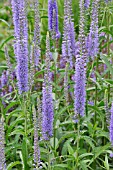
x=89, y=140
x=17, y=131
x=85, y=155
x=25, y=153
x=61, y=166
x=52, y=142
x=5, y=41
x=106, y=164
x=83, y=165
x=104, y=57
x=70, y=149
x=13, y=164
x=55, y=56
x=5, y=22
x=12, y=104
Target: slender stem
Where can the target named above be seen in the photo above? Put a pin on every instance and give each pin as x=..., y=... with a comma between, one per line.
x=96, y=90
x=25, y=129
x=49, y=165
x=78, y=141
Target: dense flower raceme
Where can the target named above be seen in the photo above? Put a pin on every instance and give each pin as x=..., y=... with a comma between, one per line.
x=80, y=83
x=68, y=42
x=92, y=42
x=47, y=101
x=21, y=43
x=53, y=18
x=37, y=50
x=80, y=66
x=2, y=147
x=111, y=126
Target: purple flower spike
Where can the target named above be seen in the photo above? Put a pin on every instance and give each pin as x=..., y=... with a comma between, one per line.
x=37, y=51
x=80, y=69
x=80, y=92
x=68, y=42
x=53, y=19
x=92, y=43
x=111, y=126
x=47, y=101
x=21, y=43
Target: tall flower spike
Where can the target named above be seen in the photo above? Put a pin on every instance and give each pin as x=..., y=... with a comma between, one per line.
x=68, y=42
x=21, y=43
x=111, y=126
x=93, y=37
x=47, y=101
x=80, y=73
x=53, y=18
x=36, y=141
x=37, y=51
x=2, y=148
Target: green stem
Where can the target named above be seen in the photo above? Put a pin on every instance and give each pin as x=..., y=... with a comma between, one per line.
x=25, y=133
x=78, y=141
x=49, y=165
x=96, y=90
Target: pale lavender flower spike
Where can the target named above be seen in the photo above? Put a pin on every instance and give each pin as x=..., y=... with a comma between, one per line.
x=80, y=70
x=92, y=43
x=47, y=101
x=68, y=42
